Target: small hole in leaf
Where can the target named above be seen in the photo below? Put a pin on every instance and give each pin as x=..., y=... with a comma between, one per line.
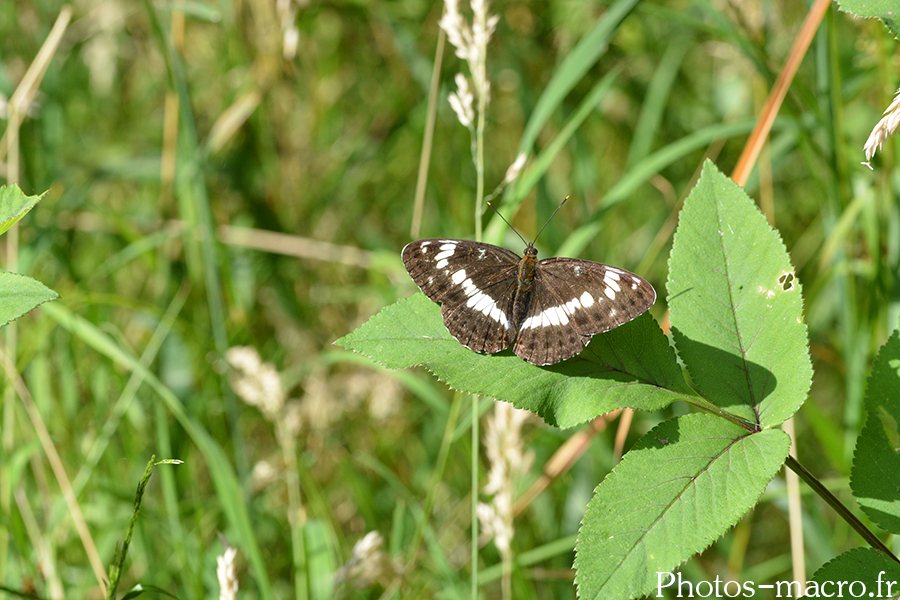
x=786, y=281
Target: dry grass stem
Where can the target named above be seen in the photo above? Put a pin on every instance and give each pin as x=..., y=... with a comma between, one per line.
x=46, y=559
x=20, y=103
x=292, y=245
x=59, y=470
x=795, y=512
x=231, y=119
x=776, y=97
x=563, y=459
x=622, y=434
x=245, y=237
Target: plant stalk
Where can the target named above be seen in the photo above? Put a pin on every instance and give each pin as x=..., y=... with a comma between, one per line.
x=838, y=506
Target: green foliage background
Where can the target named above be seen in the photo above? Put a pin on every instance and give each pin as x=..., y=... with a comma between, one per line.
x=331, y=153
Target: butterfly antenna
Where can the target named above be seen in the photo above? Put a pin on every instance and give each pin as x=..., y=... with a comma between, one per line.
x=550, y=219
x=508, y=223
x=542, y=228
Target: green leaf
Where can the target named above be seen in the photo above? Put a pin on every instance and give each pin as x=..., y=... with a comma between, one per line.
x=863, y=565
x=735, y=303
x=20, y=294
x=631, y=366
x=876, y=461
x=679, y=488
x=885, y=10
x=14, y=205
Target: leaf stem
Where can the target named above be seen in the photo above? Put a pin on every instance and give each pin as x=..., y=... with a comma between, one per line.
x=838, y=506
x=708, y=406
x=803, y=473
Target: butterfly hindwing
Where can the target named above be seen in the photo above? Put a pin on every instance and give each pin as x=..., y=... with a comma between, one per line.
x=476, y=314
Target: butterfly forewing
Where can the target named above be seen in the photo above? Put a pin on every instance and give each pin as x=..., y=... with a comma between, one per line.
x=476, y=283
x=568, y=301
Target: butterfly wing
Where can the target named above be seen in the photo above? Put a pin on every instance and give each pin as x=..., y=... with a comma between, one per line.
x=574, y=299
x=476, y=285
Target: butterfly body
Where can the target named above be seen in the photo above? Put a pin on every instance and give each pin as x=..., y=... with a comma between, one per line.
x=525, y=284
x=546, y=309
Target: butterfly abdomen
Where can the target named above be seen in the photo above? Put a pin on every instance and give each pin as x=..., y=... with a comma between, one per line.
x=524, y=287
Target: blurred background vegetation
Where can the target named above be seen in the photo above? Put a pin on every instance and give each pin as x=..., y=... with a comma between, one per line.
x=172, y=136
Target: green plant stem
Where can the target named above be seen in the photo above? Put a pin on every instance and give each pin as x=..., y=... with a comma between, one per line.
x=428, y=138
x=479, y=166
x=481, y=76
x=838, y=506
x=115, y=569
x=475, y=448
x=506, y=582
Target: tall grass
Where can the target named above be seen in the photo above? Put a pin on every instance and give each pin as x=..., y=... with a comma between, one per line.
x=157, y=125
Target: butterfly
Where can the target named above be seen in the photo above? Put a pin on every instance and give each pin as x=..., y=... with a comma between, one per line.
x=547, y=310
